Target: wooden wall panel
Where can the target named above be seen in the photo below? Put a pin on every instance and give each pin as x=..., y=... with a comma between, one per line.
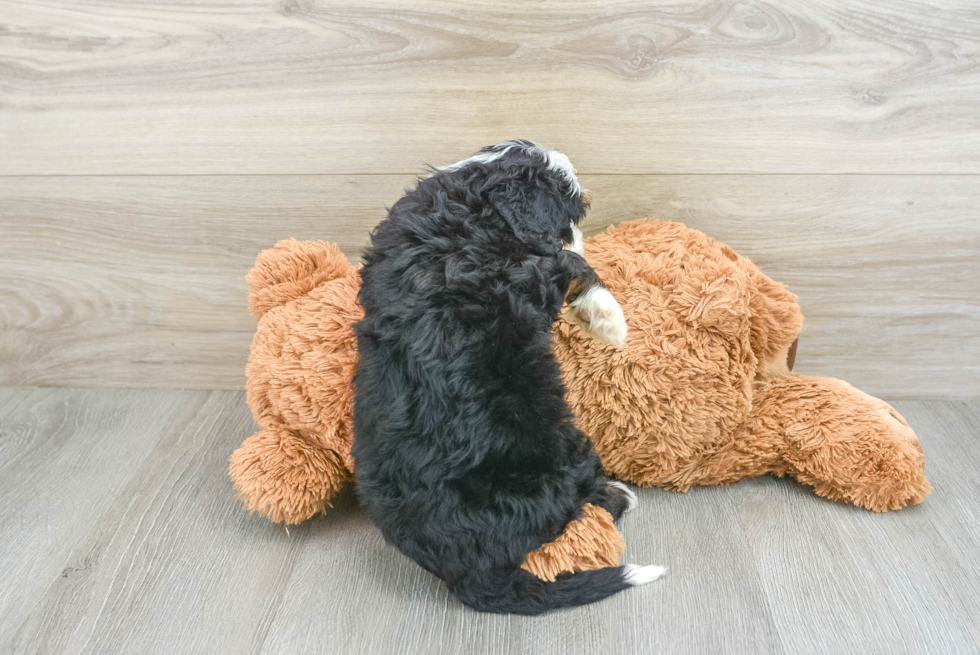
x=149, y=150
x=139, y=281
x=663, y=86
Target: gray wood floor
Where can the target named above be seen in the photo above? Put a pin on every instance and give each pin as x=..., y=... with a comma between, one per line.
x=120, y=533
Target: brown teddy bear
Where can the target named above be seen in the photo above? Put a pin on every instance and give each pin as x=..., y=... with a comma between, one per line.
x=701, y=394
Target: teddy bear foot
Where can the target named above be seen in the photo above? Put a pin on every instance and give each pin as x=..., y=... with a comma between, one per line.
x=847, y=445
x=285, y=477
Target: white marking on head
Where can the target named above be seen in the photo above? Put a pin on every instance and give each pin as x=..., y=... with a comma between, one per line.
x=598, y=314
x=553, y=160
x=636, y=575
x=559, y=162
x=482, y=157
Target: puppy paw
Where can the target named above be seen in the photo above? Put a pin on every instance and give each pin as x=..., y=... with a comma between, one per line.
x=627, y=493
x=578, y=243
x=636, y=575
x=597, y=313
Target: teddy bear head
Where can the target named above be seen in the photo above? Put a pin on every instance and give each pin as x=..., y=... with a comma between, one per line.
x=704, y=325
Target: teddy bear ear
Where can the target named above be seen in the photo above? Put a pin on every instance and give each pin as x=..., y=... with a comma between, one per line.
x=290, y=270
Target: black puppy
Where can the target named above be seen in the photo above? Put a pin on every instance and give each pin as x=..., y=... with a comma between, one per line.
x=467, y=457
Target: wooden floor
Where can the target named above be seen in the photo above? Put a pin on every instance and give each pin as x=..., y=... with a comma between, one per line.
x=149, y=150
x=121, y=533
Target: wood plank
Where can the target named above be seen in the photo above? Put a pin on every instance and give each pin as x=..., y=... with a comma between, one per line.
x=841, y=579
x=383, y=86
x=67, y=457
x=170, y=561
x=142, y=547
x=389, y=604
x=139, y=281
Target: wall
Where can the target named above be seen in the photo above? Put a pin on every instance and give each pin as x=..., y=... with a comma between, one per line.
x=150, y=150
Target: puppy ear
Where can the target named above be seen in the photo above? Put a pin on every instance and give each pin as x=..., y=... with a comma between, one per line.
x=537, y=215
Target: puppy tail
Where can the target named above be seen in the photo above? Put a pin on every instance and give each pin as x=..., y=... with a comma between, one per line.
x=519, y=592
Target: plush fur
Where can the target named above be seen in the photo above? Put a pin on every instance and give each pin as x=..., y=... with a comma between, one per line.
x=299, y=373
x=701, y=394
x=587, y=543
x=467, y=455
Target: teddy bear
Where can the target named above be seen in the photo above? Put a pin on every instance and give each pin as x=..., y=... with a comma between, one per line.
x=702, y=393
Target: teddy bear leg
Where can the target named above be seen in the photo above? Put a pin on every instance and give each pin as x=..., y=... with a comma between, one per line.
x=587, y=543
x=745, y=456
x=847, y=445
x=281, y=475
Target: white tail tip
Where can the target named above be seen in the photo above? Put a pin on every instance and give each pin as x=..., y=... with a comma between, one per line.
x=630, y=496
x=636, y=575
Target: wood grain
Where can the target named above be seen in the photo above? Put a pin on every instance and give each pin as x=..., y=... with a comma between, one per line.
x=139, y=281
x=876, y=575
x=168, y=560
x=415, y=613
x=150, y=150
x=65, y=457
x=120, y=532
x=308, y=86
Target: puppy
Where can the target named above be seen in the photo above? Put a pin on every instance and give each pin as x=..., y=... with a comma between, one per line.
x=467, y=457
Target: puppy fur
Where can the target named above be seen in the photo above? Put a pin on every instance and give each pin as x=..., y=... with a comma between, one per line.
x=467, y=457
